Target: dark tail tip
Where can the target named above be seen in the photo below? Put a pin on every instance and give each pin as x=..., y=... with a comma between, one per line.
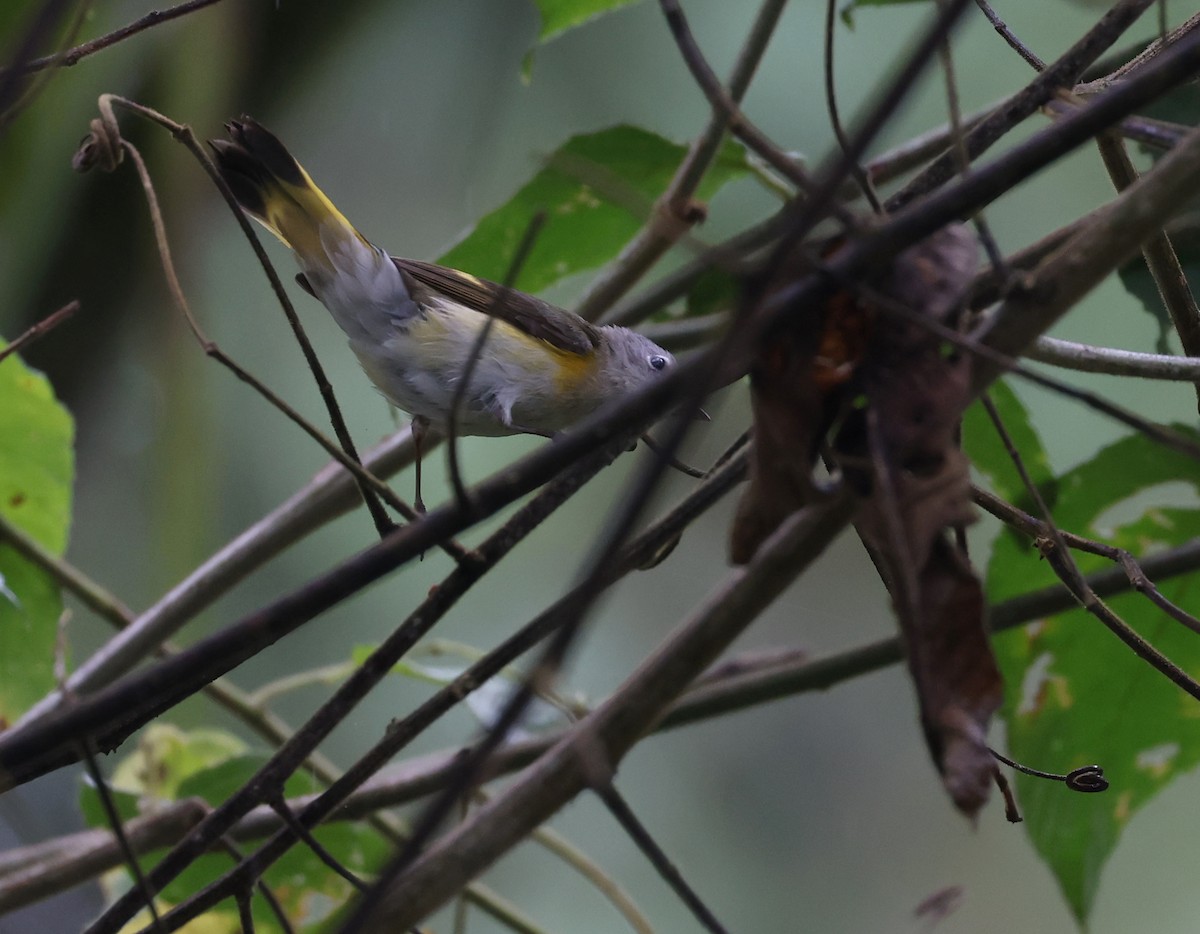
x=250, y=160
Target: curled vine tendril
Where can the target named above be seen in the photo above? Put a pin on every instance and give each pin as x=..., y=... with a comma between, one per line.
x=1087, y=779
x=102, y=147
x=97, y=148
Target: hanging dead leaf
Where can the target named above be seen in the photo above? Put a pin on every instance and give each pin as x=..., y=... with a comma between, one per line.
x=916, y=389
x=869, y=369
x=798, y=384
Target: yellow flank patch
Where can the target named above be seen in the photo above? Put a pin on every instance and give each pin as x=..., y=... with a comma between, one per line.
x=507, y=342
x=569, y=369
x=573, y=368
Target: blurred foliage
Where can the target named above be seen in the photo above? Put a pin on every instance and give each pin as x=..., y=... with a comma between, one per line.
x=560, y=15
x=170, y=764
x=596, y=191
x=37, y=464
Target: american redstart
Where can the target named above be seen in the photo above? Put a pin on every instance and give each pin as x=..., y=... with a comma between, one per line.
x=413, y=324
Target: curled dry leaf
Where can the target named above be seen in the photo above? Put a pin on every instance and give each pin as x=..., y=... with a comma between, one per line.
x=798, y=385
x=892, y=394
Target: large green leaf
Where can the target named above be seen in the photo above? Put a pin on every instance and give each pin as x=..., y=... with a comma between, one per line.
x=594, y=191
x=36, y=469
x=1076, y=695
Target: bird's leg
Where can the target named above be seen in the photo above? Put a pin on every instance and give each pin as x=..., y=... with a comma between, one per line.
x=420, y=426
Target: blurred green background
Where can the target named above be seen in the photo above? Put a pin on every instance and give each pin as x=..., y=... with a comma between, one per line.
x=821, y=813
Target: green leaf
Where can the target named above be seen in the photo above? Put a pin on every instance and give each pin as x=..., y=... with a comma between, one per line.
x=560, y=15
x=167, y=756
x=1076, y=695
x=36, y=471
x=595, y=191
x=216, y=782
x=212, y=765
x=989, y=456
x=847, y=11
x=159, y=768
x=312, y=892
x=308, y=890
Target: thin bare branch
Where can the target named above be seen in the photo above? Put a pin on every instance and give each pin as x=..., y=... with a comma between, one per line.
x=1039, y=530
x=330, y=494
x=861, y=176
x=723, y=102
x=555, y=843
x=117, y=826
x=373, y=669
x=619, y=808
x=211, y=349
x=32, y=873
x=1060, y=559
x=43, y=29
x=520, y=257
x=742, y=683
x=1159, y=255
x=1071, y=355
x=47, y=324
x=1142, y=59
x=1007, y=35
x=72, y=56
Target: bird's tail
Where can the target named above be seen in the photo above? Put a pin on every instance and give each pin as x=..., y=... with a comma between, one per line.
x=273, y=188
x=356, y=281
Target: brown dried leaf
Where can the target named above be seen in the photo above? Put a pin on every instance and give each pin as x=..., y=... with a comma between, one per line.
x=798, y=384
x=901, y=450
x=919, y=491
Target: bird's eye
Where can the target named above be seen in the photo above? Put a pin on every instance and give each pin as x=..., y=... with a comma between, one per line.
x=658, y=362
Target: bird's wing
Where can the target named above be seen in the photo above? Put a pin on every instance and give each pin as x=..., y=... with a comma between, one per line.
x=556, y=326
